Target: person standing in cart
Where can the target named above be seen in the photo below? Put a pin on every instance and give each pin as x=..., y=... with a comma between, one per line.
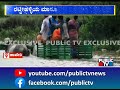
x=45, y=29
x=73, y=30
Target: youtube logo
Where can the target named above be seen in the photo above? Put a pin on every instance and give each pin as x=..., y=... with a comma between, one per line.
x=20, y=72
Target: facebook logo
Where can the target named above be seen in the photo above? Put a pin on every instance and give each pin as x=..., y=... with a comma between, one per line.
x=19, y=82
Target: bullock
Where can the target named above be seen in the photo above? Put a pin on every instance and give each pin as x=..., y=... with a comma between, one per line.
x=21, y=48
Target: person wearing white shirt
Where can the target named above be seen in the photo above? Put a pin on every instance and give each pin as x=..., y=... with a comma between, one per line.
x=45, y=28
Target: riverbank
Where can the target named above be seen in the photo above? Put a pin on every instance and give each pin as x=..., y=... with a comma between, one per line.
x=33, y=61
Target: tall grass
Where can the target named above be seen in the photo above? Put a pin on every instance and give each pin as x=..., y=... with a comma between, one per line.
x=20, y=27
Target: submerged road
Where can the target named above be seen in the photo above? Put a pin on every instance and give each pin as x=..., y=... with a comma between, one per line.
x=33, y=61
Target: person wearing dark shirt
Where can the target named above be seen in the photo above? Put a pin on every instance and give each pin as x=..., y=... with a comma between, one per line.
x=73, y=30
x=63, y=28
x=53, y=25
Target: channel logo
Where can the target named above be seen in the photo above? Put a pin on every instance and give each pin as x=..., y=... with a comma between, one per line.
x=20, y=82
x=105, y=61
x=20, y=72
x=12, y=55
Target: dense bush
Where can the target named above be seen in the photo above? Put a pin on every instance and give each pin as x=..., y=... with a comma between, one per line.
x=20, y=27
x=93, y=27
x=25, y=21
x=102, y=28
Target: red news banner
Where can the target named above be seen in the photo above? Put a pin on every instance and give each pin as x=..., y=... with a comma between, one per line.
x=12, y=55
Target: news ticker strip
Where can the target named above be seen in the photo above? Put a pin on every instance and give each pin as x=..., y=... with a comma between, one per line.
x=60, y=10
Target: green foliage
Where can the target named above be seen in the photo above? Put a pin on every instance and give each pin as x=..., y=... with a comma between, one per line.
x=93, y=27
x=25, y=21
x=18, y=33
x=102, y=28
